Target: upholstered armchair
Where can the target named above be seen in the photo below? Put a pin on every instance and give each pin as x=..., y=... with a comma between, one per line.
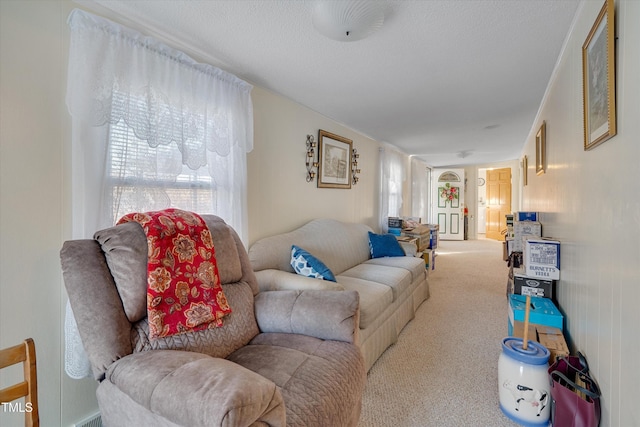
x=280, y=358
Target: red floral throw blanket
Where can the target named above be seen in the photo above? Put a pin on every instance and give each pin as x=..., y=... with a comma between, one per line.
x=184, y=293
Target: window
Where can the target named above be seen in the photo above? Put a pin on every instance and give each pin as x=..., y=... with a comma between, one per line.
x=392, y=178
x=152, y=129
x=144, y=178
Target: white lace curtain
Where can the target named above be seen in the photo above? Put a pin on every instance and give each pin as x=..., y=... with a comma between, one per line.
x=420, y=189
x=147, y=123
x=188, y=122
x=392, y=166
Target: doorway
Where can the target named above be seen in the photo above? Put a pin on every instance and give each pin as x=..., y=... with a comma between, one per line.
x=497, y=202
x=448, y=202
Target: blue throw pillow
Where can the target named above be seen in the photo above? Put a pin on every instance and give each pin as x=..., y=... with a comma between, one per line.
x=384, y=245
x=307, y=265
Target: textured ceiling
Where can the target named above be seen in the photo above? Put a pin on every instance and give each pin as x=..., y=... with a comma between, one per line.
x=454, y=82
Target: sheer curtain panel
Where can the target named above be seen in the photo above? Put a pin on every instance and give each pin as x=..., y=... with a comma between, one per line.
x=152, y=128
x=419, y=189
x=392, y=176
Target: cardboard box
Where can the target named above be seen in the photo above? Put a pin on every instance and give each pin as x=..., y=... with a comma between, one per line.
x=536, y=287
x=395, y=222
x=422, y=233
x=409, y=245
x=523, y=230
x=542, y=258
x=543, y=312
x=518, y=330
x=434, y=231
x=429, y=257
x=551, y=338
x=529, y=228
x=509, y=219
x=526, y=216
x=395, y=231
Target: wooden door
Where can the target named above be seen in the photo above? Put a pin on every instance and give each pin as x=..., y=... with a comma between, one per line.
x=448, y=202
x=498, y=184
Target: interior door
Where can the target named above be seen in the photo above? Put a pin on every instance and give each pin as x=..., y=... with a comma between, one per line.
x=448, y=202
x=498, y=183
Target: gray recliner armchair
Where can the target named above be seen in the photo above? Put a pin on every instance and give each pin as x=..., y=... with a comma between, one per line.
x=281, y=358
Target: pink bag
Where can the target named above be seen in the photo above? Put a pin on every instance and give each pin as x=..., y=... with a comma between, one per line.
x=575, y=396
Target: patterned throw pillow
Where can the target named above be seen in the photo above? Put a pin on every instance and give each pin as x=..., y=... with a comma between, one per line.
x=384, y=245
x=306, y=264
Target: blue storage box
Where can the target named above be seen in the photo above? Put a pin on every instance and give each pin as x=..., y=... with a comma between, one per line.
x=395, y=231
x=543, y=312
x=526, y=216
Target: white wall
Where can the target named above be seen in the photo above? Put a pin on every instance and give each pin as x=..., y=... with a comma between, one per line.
x=280, y=199
x=34, y=196
x=590, y=201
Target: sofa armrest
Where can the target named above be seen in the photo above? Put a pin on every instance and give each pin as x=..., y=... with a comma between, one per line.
x=410, y=249
x=195, y=389
x=278, y=280
x=328, y=315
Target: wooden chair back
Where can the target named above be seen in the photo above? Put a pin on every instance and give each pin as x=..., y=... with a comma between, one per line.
x=25, y=353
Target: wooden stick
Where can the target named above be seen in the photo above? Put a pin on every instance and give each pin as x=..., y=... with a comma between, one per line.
x=525, y=343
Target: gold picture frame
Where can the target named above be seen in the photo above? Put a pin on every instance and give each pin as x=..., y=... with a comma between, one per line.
x=541, y=149
x=599, y=79
x=334, y=160
x=525, y=171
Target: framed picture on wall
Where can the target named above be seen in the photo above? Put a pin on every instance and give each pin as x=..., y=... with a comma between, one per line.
x=541, y=148
x=334, y=160
x=525, y=171
x=599, y=79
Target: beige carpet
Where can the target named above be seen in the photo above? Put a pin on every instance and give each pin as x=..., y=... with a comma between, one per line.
x=443, y=371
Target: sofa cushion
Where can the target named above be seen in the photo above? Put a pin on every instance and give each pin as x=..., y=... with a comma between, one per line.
x=125, y=249
x=320, y=381
x=276, y=280
x=238, y=329
x=305, y=264
x=328, y=315
x=398, y=279
x=339, y=245
x=384, y=245
x=374, y=297
x=197, y=390
x=415, y=265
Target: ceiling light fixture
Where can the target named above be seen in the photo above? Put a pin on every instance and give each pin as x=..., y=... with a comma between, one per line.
x=348, y=20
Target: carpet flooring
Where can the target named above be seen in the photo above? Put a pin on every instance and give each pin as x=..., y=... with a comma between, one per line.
x=443, y=371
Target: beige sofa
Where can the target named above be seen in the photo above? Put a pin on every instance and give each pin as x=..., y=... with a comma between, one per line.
x=391, y=289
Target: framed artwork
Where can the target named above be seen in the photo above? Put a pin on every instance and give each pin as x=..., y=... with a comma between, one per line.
x=334, y=160
x=599, y=79
x=525, y=171
x=541, y=142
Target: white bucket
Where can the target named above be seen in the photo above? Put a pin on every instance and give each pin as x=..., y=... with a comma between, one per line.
x=523, y=382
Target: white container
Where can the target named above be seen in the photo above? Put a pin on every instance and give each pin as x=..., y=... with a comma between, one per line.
x=523, y=382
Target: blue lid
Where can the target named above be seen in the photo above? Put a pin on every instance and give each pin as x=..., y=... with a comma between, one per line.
x=535, y=354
